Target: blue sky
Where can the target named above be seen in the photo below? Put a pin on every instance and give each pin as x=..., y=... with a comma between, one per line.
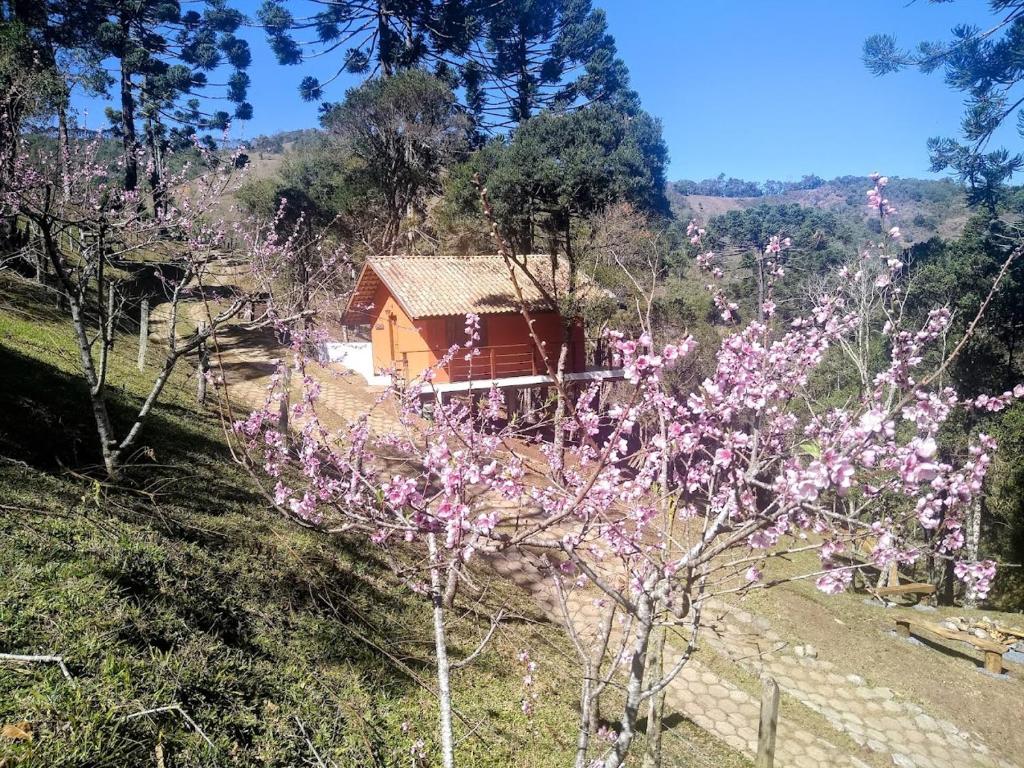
x=753, y=88
x=776, y=88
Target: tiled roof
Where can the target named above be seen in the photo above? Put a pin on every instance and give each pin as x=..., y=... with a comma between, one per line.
x=429, y=286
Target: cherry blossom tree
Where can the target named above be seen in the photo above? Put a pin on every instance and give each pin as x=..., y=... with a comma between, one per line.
x=95, y=242
x=659, y=500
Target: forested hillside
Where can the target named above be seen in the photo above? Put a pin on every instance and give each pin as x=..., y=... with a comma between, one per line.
x=926, y=207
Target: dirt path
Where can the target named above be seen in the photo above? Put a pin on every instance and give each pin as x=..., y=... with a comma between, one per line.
x=829, y=717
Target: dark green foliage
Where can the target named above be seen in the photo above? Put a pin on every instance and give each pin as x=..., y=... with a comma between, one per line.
x=546, y=54
x=29, y=90
x=398, y=134
x=1003, y=510
x=28, y=87
x=509, y=60
x=720, y=186
x=821, y=241
x=960, y=274
x=775, y=188
x=984, y=65
x=376, y=37
x=810, y=228
x=372, y=172
x=164, y=55
x=560, y=167
x=925, y=207
x=312, y=181
x=278, y=142
x=919, y=190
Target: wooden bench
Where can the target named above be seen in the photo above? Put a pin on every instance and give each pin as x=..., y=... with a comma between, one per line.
x=993, y=651
x=913, y=588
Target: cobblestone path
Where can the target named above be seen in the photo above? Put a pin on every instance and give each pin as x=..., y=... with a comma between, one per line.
x=874, y=717
x=713, y=703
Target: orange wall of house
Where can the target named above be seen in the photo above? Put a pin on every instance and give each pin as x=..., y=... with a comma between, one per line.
x=425, y=340
x=417, y=339
x=510, y=329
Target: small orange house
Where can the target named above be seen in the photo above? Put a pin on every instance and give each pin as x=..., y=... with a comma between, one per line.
x=416, y=308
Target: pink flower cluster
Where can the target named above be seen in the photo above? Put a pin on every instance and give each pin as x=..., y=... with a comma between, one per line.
x=747, y=454
x=977, y=576
x=706, y=262
x=877, y=200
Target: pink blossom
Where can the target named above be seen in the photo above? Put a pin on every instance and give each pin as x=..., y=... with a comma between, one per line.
x=872, y=421
x=976, y=576
x=834, y=582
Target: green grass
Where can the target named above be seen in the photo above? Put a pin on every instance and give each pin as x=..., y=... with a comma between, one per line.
x=178, y=586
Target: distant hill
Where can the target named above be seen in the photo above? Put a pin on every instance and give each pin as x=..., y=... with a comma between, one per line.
x=283, y=140
x=924, y=207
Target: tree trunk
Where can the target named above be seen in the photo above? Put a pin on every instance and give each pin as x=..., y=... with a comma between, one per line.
x=523, y=82
x=634, y=684
x=559, y=418
x=97, y=401
x=203, y=367
x=656, y=713
x=656, y=659
x=155, y=170
x=973, y=538
x=586, y=726
x=385, y=52
x=947, y=590
x=444, y=694
x=93, y=381
x=64, y=143
x=282, y=419
x=129, y=142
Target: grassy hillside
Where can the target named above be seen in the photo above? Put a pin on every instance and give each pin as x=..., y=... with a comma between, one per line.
x=177, y=586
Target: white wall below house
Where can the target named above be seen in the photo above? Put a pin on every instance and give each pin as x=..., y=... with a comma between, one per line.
x=357, y=356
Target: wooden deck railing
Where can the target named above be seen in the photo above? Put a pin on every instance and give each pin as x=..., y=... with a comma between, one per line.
x=492, y=363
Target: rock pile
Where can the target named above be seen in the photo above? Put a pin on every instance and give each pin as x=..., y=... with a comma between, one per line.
x=986, y=629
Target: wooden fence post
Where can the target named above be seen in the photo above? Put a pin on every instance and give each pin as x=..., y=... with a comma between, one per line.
x=111, y=309
x=282, y=421
x=203, y=366
x=143, y=332
x=769, y=724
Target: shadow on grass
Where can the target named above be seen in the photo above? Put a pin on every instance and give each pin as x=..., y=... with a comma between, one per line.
x=190, y=541
x=948, y=651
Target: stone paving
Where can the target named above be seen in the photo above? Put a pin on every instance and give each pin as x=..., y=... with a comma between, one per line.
x=874, y=717
x=713, y=703
x=248, y=360
x=888, y=730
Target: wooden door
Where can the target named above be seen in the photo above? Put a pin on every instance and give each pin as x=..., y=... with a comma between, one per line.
x=392, y=352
